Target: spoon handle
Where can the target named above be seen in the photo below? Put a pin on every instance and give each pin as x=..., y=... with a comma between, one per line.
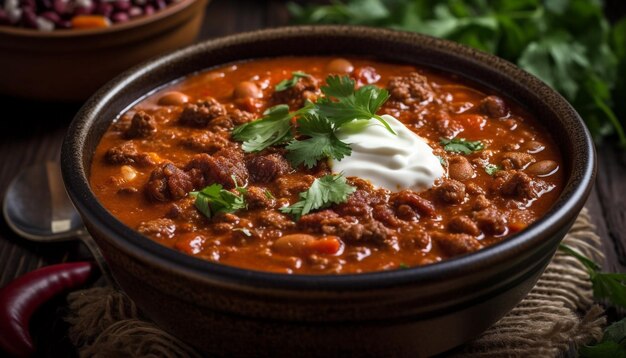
x=99, y=258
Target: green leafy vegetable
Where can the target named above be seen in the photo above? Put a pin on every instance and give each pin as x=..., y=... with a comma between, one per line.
x=322, y=142
x=569, y=44
x=327, y=190
x=613, y=343
x=491, y=169
x=460, y=145
x=274, y=128
x=610, y=286
x=288, y=83
x=214, y=199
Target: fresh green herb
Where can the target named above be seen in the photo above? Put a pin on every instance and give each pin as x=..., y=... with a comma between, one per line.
x=344, y=104
x=460, y=145
x=214, y=199
x=403, y=265
x=327, y=190
x=274, y=128
x=288, y=83
x=322, y=142
x=268, y=194
x=491, y=169
x=569, y=44
x=609, y=286
x=613, y=343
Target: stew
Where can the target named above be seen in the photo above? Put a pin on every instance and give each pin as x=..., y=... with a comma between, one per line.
x=317, y=165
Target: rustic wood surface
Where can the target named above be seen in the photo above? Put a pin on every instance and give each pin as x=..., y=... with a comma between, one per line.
x=35, y=135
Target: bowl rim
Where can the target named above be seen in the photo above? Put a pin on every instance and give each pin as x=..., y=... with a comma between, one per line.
x=142, y=20
x=560, y=216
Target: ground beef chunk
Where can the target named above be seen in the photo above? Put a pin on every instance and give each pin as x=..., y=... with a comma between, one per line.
x=411, y=89
x=219, y=168
x=417, y=239
x=207, y=142
x=451, y=191
x=221, y=124
x=405, y=212
x=315, y=221
x=127, y=154
x=459, y=168
x=456, y=244
x=199, y=114
x=514, y=183
x=306, y=88
x=474, y=189
x=168, y=182
x=239, y=117
x=463, y=225
x=494, y=106
x=275, y=220
x=413, y=200
x=516, y=160
x=257, y=198
x=141, y=126
x=491, y=221
x=359, y=204
x=481, y=202
x=161, y=228
x=446, y=126
x=386, y=215
x=365, y=232
x=288, y=185
x=265, y=168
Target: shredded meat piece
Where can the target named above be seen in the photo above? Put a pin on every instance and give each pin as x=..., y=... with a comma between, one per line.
x=316, y=220
x=516, y=160
x=451, y=191
x=219, y=168
x=141, y=126
x=167, y=182
x=239, y=117
x=127, y=154
x=221, y=124
x=371, y=231
x=307, y=88
x=206, y=142
x=410, y=89
x=481, y=202
x=359, y=204
x=446, y=126
x=199, y=114
x=288, y=185
x=456, y=244
x=265, y=168
x=463, y=225
x=385, y=214
x=257, y=198
x=514, y=183
x=490, y=221
x=419, y=239
x=494, y=106
x=275, y=220
x=414, y=201
x=161, y=228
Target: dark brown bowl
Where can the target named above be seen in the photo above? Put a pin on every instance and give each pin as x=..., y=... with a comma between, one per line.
x=228, y=311
x=70, y=65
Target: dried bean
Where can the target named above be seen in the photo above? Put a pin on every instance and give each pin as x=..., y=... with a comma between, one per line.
x=543, y=168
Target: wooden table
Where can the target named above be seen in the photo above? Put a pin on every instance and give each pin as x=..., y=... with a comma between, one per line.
x=36, y=133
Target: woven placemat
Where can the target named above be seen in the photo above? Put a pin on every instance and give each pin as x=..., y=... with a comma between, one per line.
x=557, y=315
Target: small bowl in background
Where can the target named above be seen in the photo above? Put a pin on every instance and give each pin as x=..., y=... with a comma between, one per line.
x=69, y=65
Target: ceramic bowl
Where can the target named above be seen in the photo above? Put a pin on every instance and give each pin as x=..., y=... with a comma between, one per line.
x=231, y=312
x=70, y=65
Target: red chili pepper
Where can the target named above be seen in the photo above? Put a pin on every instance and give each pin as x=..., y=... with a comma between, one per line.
x=21, y=298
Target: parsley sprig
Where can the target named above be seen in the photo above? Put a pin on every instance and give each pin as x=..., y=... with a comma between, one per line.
x=288, y=83
x=460, y=145
x=317, y=123
x=613, y=343
x=214, y=199
x=327, y=190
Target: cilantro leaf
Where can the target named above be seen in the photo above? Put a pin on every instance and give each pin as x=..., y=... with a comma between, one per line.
x=327, y=190
x=344, y=104
x=491, y=169
x=610, y=286
x=613, y=344
x=288, y=83
x=214, y=199
x=460, y=145
x=322, y=142
x=273, y=128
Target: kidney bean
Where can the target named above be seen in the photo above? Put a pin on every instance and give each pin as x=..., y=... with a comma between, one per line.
x=29, y=18
x=533, y=146
x=247, y=89
x=293, y=244
x=160, y=4
x=340, y=65
x=61, y=6
x=173, y=99
x=84, y=10
x=459, y=168
x=543, y=168
x=148, y=10
x=122, y=5
x=105, y=9
x=51, y=16
x=135, y=11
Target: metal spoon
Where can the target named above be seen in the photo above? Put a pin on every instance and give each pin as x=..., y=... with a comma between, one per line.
x=37, y=208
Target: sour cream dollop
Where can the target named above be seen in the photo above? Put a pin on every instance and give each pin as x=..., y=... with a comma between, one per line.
x=393, y=162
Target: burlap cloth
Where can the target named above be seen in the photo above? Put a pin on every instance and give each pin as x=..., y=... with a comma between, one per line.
x=557, y=315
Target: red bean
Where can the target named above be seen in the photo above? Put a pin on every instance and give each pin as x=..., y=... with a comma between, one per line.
x=105, y=9
x=340, y=65
x=120, y=17
x=122, y=5
x=247, y=89
x=135, y=11
x=21, y=298
x=51, y=16
x=61, y=6
x=173, y=98
x=148, y=10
